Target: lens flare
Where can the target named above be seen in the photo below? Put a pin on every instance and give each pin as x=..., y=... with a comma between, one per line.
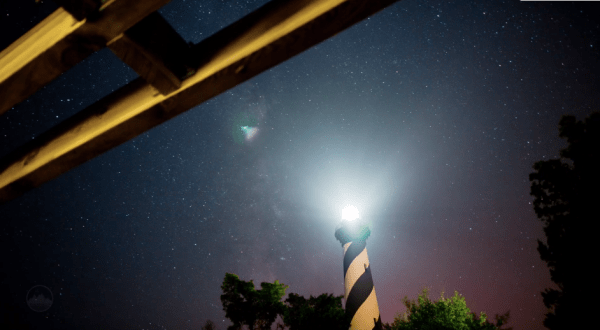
x=249, y=132
x=350, y=213
x=245, y=128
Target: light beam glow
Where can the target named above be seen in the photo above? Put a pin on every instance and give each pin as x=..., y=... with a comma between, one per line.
x=350, y=213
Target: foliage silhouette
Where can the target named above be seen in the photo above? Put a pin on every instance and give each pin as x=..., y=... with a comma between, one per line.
x=322, y=312
x=244, y=305
x=566, y=191
x=258, y=309
x=444, y=314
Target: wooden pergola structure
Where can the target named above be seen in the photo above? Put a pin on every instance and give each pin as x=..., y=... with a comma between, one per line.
x=174, y=76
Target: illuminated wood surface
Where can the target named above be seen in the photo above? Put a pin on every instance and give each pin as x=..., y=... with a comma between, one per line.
x=257, y=42
x=59, y=42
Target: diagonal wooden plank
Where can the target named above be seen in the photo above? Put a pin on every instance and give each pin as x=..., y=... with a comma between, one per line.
x=59, y=42
x=155, y=51
x=270, y=35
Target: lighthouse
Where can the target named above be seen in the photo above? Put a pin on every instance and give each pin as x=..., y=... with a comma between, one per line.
x=361, y=302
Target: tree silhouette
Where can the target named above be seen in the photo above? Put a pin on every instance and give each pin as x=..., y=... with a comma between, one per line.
x=244, y=305
x=323, y=312
x=444, y=314
x=258, y=309
x=565, y=192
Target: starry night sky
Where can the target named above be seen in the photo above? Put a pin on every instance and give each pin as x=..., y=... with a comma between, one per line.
x=428, y=117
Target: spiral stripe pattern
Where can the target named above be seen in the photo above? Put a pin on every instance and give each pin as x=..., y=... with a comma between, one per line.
x=361, y=301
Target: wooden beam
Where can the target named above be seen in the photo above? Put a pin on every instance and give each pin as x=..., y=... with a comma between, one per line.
x=59, y=42
x=155, y=51
x=270, y=35
x=80, y=9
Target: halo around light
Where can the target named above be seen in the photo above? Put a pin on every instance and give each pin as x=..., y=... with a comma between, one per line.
x=350, y=213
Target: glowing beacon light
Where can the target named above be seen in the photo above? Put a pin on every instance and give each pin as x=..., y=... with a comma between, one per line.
x=350, y=213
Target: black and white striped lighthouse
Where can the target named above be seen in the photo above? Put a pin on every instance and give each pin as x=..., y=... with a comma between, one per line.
x=361, y=302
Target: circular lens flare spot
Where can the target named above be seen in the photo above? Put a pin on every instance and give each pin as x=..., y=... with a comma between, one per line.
x=349, y=213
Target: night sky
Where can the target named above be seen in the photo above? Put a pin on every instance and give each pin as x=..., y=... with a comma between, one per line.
x=427, y=117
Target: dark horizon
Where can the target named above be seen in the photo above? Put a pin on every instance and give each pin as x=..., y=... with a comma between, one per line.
x=428, y=117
